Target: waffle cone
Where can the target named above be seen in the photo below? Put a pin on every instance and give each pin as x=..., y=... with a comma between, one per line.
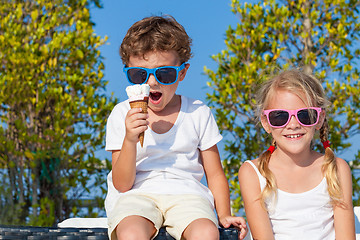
x=143, y=104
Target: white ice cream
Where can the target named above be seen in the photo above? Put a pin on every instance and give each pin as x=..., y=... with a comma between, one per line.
x=138, y=92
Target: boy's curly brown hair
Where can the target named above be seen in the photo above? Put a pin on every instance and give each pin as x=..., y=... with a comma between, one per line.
x=156, y=33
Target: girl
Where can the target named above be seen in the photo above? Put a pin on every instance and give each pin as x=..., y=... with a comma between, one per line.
x=291, y=191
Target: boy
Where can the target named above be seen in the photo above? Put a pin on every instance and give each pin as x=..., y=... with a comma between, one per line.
x=159, y=184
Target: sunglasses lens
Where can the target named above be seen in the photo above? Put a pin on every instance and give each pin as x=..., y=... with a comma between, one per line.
x=166, y=75
x=307, y=116
x=136, y=75
x=278, y=118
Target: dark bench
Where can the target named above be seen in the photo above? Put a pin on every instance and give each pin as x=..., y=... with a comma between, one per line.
x=225, y=234
x=54, y=233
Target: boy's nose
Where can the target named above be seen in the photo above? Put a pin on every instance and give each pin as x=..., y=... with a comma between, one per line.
x=152, y=81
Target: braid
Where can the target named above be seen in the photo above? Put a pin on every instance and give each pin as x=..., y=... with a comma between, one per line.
x=271, y=186
x=324, y=131
x=329, y=167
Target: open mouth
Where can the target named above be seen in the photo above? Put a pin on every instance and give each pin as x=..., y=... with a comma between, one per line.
x=294, y=136
x=155, y=96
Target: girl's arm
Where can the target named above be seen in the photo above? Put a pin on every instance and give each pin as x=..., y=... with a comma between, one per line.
x=257, y=216
x=219, y=187
x=344, y=214
x=124, y=161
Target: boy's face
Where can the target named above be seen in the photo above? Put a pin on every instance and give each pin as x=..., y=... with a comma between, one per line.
x=161, y=96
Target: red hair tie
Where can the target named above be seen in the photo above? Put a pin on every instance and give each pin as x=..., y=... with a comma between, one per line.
x=271, y=149
x=326, y=144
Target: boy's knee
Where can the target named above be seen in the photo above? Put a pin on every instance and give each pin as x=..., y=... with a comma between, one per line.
x=131, y=233
x=209, y=232
x=202, y=229
x=135, y=228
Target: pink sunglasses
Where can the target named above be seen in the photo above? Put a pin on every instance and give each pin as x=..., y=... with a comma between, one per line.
x=307, y=117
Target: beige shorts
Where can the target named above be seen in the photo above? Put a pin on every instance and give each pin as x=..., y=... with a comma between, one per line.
x=175, y=212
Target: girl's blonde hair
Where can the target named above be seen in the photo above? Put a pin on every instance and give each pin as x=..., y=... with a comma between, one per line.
x=306, y=85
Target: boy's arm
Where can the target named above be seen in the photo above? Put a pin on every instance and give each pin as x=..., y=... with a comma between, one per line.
x=124, y=160
x=219, y=187
x=344, y=214
x=257, y=216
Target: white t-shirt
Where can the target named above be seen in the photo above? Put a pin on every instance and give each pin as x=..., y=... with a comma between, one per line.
x=168, y=163
x=308, y=215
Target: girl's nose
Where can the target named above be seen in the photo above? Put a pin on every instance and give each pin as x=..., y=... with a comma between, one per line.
x=293, y=123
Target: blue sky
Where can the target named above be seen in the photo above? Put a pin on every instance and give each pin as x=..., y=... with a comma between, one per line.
x=205, y=21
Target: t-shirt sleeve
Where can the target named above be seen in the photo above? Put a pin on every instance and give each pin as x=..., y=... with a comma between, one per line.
x=209, y=131
x=115, y=127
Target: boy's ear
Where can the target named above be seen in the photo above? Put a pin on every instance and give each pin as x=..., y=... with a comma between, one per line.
x=321, y=119
x=265, y=124
x=182, y=73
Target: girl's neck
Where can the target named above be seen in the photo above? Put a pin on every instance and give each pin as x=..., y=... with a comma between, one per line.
x=303, y=159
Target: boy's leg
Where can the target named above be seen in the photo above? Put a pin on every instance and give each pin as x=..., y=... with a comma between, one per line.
x=189, y=217
x=201, y=229
x=134, y=215
x=135, y=228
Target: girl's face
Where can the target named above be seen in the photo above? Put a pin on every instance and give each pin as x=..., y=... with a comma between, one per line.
x=293, y=138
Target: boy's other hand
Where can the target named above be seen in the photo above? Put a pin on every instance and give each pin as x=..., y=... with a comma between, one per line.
x=135, y=123
x=236, y=222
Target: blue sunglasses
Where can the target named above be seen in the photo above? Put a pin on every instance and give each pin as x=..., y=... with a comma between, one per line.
x=166, y=75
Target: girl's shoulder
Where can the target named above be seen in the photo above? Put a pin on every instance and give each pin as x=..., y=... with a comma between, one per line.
x=247, y=169
x=250, y=163
x=343, y=166
x=341, y=162
x=344, y=175
x=250, y=179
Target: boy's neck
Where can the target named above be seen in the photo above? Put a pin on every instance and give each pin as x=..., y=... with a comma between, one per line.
x=162, y=121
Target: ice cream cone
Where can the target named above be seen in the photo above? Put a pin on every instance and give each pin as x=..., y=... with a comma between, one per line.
x=143, y=104
x=138, y=98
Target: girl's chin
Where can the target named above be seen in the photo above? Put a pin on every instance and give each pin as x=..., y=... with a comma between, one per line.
x=296, y=150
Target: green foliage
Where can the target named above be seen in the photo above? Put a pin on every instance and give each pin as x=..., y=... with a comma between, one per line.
x=53, y=109
x=322, y=37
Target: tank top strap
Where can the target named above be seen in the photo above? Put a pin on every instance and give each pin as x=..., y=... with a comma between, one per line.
x=262, y=179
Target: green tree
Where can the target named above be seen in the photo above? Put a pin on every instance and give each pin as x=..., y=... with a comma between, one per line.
x=53, y=110
x=322, y=37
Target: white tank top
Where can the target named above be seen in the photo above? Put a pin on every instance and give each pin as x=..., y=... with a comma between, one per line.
x=308, y=215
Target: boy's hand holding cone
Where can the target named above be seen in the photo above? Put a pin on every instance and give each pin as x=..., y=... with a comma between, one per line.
x=138, y=98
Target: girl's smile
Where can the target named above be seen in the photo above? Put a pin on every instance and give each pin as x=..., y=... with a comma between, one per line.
x=293, y=138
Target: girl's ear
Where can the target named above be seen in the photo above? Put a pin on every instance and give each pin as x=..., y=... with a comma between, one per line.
x=321, y=119
x=265, y=124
